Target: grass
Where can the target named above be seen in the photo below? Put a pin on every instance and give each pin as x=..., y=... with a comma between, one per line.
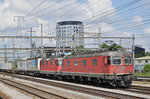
x=141, y=82
x=146, y=74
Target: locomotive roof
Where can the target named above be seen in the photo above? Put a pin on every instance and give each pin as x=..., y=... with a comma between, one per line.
x=105, y=53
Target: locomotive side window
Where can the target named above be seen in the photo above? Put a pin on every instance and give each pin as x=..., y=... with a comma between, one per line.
x=94, y=62
x=68, y=63
x=84, y=62
x=42, y=62
x=116, y=60
x=46, y=62
x=128, y=60
x=51, y=62
x=63, y=63
x=75, y=63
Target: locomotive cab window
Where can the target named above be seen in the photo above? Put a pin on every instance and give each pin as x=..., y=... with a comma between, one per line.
x=128, y=60
x=116, y=60
x=94, y=62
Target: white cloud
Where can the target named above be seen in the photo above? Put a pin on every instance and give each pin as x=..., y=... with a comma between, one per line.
x=138, y=19
x=11, y=8
x=147, y=30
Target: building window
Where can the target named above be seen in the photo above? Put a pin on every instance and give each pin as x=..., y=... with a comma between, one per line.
x=139, y=61
x=84, y=62
x=68, y=63
x=94, y=62
x=146, y=61
x=75, y=63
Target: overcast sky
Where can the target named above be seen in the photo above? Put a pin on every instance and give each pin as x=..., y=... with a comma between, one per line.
x=115, y=17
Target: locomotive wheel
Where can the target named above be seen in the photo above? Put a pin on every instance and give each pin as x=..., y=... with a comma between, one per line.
x=112, y=83
x=127, y=83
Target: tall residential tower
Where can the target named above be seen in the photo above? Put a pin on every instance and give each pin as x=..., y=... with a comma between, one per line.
x=69, y=29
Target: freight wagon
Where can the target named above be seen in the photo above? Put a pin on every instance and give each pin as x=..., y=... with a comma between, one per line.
x=28, y=66
x=7, y=66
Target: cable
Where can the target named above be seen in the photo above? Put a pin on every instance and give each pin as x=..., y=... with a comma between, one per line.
x=57, y=9
x=47, y=7
x=126, y=12
x=128, y=26
x=115, y=22
x=117, y=9
x=35, y=8
x=72, y=9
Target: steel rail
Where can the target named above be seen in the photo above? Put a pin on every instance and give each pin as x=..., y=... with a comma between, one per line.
x=32, y=90
x=81, y=89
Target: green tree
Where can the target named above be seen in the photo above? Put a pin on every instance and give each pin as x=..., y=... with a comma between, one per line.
x=147, y=54
x=147, y=67
x=104, y=45
x=81, y=49
x=140, y=55
x=118, y=46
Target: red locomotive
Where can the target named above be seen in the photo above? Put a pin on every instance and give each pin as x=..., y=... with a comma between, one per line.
x=113, y=67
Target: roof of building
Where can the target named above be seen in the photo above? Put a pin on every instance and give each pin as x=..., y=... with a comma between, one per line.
x=69, y=23
x=143, y=58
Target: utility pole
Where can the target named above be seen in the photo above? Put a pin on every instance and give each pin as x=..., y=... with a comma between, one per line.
x=41, y=40
x=31, y=41
x=93, y=8
x=5, y=56
x=99, y=37
x=120, y=42
x=73, y=41
x=18, y=19
x=13, y=53
x=133, y=49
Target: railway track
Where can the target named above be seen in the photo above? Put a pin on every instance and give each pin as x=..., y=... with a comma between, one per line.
x=142, y=78
x=140, y=89
x=31, y=90
x=82, y=89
